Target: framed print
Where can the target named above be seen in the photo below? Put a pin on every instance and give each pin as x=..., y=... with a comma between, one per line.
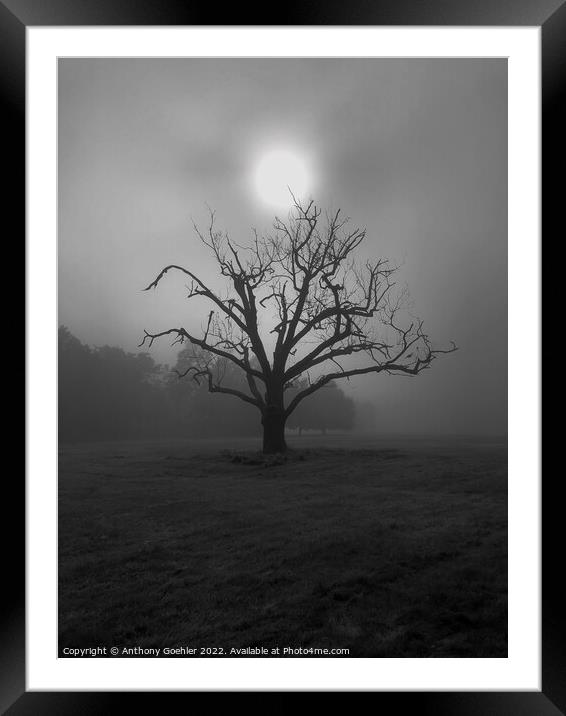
x=246, y=245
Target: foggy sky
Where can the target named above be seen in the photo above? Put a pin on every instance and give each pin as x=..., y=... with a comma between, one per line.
x=413, y=150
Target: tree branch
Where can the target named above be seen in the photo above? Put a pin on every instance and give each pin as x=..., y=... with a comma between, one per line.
x=388, y=367
x=183, y=335
x=202, y=291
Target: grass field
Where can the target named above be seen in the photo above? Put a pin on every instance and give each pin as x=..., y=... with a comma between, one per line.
x=388, y=548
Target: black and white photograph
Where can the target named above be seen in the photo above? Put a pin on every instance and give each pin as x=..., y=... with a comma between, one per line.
x=282, y=357
x=283, y=349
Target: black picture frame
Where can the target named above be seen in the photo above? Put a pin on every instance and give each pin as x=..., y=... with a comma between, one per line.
x=15, y=17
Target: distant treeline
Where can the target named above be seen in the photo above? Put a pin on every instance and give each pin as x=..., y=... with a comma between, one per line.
x=106, y=393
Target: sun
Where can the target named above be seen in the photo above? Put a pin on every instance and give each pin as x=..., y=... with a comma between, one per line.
x=279, y=172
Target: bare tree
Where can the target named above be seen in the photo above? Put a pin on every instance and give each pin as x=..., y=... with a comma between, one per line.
x=321, y=304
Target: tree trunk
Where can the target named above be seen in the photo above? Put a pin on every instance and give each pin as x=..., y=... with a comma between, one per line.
x=273, y=421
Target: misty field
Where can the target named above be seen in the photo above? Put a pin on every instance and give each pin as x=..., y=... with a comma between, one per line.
x=386, y=547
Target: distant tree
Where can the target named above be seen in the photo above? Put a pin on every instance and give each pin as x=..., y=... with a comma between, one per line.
x=327, y=409
x=205, y=415
x=106, y=393
x=323, y=306
x=365, y=421
x=74, y=374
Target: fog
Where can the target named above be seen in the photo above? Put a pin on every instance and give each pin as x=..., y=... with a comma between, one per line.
x=413, y=150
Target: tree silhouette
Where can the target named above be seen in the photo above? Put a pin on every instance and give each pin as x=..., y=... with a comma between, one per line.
x=327, y=409
x=323, y=306
x=106, y=393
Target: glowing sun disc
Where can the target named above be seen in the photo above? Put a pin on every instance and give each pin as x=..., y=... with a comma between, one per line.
x=279, y=171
